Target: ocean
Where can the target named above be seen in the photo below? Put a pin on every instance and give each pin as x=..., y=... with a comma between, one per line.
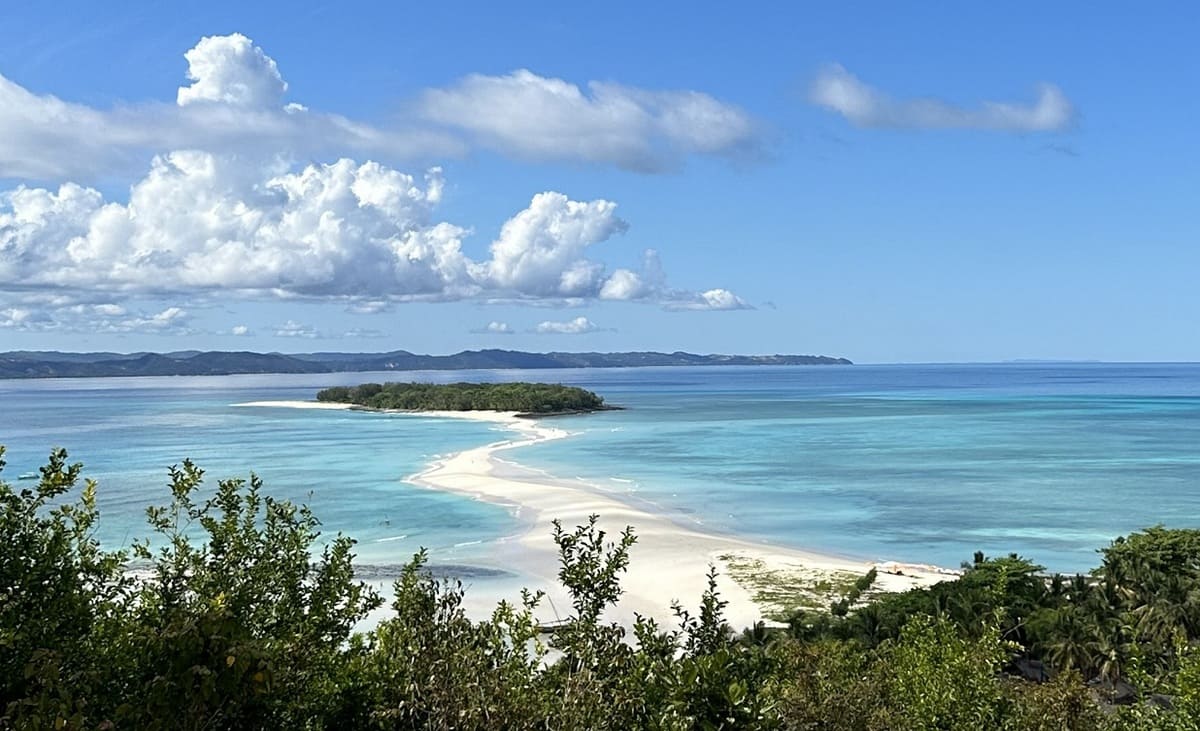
x=916, y=463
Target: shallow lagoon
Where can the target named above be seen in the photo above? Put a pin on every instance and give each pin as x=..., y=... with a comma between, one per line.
x=917, y=463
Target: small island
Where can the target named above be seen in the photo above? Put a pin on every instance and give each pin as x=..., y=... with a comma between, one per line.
x=527, y=399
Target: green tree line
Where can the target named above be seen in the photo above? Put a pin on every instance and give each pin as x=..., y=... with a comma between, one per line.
x=532, y=398
x=238, y=614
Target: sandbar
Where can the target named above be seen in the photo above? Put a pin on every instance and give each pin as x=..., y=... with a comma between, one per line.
x=670, y=560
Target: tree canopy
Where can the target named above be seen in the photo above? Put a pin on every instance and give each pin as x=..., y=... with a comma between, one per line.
x=531, y=398
x=238, y=614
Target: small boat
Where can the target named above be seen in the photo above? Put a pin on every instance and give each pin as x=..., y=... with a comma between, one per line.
x=550, y=626
x=27, y=476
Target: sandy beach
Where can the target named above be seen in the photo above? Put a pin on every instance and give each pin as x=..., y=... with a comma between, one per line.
x=299, y=405
x=669, y=561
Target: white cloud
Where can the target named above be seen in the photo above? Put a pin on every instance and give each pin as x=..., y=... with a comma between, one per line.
x=541, y=250
x=22, y=318
x=95, y=318
x=293, y=329
x=221, y=210
x=551, y=119
x=578, y=326
x=494, y=327
x=199, y=223
x=235, y=101
x=115, y=319
x=239, y=330
x=369, y=307
x=624, y=284
x=364, y=333
x=231, y=70
x=713, y=299
x=167, y=319
x=837, y=89
x=109, y=310
x=234, y=104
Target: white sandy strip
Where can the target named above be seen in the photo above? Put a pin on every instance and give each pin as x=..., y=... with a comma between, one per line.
x=669, y=561
x=299, y=405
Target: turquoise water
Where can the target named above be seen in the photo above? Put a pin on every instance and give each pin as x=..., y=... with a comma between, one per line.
x=348, y=466
x=916, y=463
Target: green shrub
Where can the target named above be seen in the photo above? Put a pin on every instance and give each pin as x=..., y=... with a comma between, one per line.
x=239, y=615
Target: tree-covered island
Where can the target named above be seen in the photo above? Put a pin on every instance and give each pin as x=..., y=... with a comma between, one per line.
x=542, y=399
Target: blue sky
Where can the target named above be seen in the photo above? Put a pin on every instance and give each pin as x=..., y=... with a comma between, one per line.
x=887, y=182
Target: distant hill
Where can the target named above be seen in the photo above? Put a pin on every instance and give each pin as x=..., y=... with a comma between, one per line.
x=34, y=364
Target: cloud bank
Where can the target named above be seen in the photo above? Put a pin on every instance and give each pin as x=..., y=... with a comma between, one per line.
x=235, y=102
x=221, y=209
x=232, y=105
x=551, y=119
x=105, y=318
x=838, y=90
x=198, y=224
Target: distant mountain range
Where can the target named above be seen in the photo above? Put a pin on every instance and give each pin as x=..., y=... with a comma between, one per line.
x=53, y=364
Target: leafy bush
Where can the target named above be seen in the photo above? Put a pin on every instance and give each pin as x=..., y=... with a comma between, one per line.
x=230, y=623
x=239, y=615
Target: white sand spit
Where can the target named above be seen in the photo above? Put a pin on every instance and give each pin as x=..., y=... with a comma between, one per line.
x=298, y=405
x=668, y=563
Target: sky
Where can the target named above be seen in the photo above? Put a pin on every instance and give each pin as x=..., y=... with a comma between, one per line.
x=887, y=182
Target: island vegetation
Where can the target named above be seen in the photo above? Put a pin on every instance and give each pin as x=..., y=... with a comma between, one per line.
x=526, y=398
x=240, y=615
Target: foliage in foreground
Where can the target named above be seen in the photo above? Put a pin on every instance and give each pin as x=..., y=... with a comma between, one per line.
x=532, y=398
x=230, y=619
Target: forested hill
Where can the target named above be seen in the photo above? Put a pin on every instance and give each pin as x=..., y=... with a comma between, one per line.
x=36, y=364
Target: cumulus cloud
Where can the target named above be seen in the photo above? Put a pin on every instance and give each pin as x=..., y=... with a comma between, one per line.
x=199, y=223
x=239, y=330
x=196, y=223
x=838, y=90
x=541, y=250
x=624, y=284
x=494, y=327
x=577, y=326
x=222, y=210
x=231, y=70
x=235, y=101
x=544, y=118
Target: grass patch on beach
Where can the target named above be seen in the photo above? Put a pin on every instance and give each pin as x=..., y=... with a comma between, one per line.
x=781, y=591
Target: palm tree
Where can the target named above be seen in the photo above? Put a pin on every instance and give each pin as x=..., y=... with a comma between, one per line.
x=757, y=635
x=1067, y=638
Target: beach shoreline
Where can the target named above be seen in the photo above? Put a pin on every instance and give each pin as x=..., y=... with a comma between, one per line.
x=669, y=562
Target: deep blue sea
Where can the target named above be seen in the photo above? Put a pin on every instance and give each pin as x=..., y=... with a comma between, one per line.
x=920, y=463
